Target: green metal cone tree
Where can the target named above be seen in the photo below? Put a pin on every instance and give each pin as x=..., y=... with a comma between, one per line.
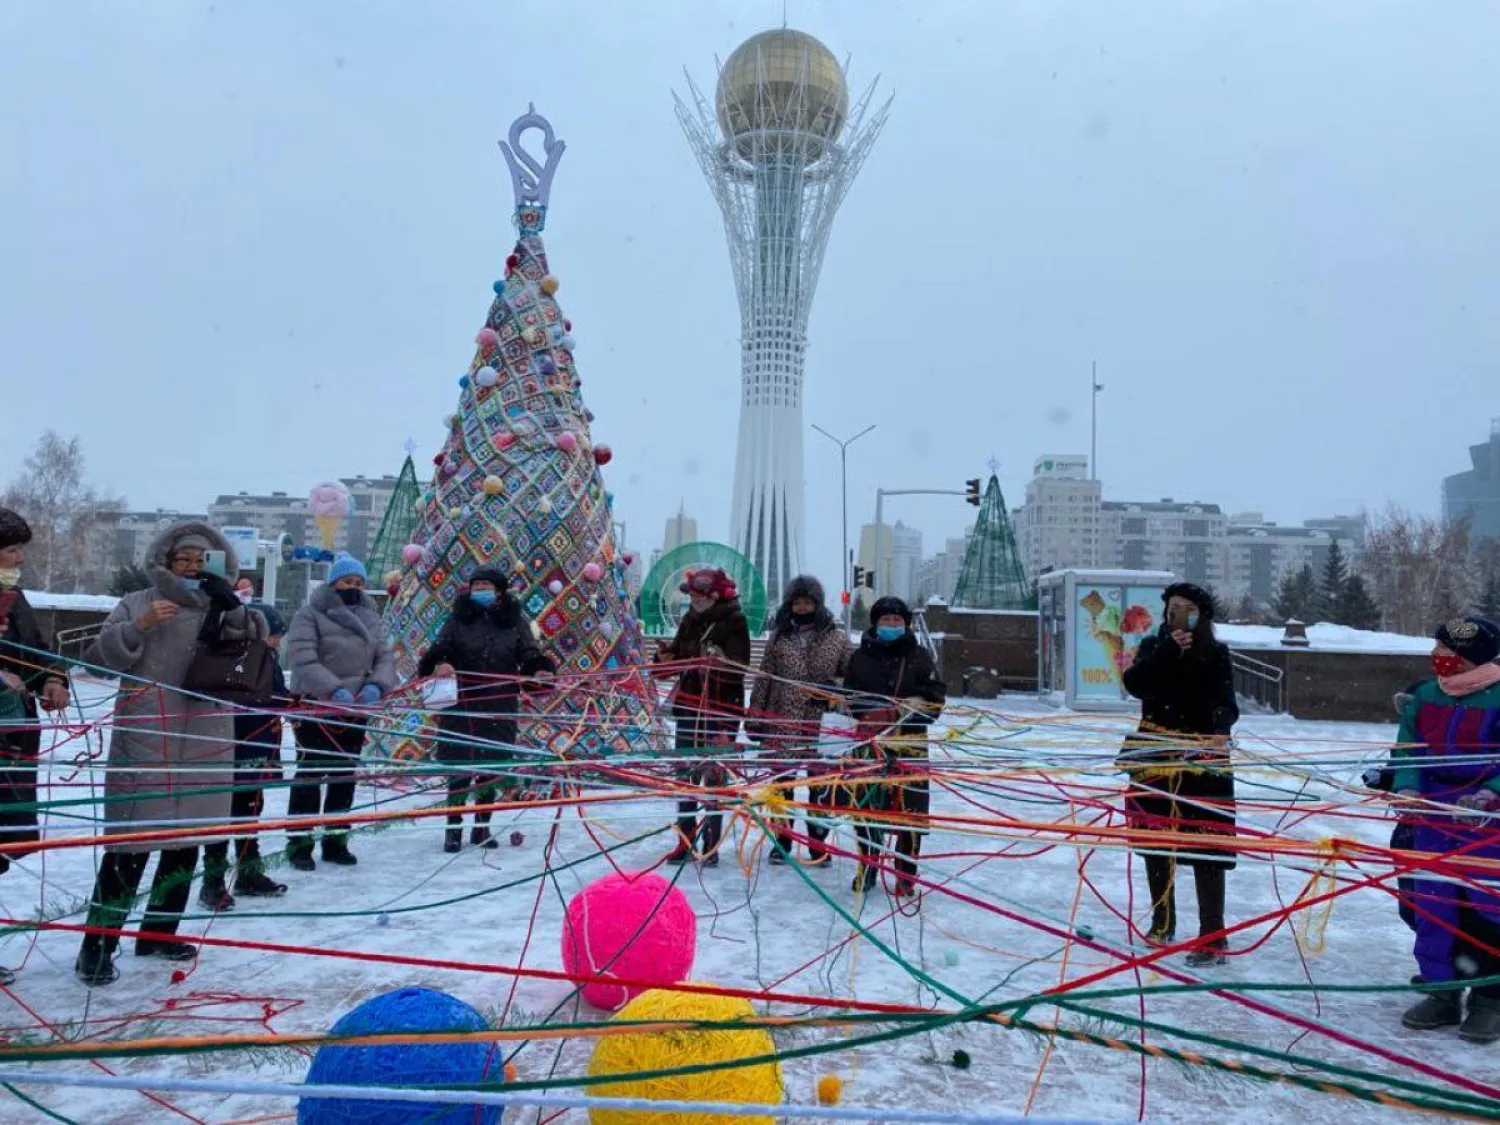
x=992, y=576
x=396, y=526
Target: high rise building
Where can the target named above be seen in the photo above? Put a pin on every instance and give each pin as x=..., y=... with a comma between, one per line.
x=937, y=576
x=681, y=528
x=1186, y=539
x=280, y=513
x=1258, y=554
x=779, y=148
x=1058, y=525
x=897, y=551
x=1475, y=493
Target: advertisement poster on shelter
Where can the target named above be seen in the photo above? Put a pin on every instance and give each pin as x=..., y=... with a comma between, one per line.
x=1114, y=621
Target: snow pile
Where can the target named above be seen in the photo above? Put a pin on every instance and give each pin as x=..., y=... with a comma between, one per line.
x=1325, y=638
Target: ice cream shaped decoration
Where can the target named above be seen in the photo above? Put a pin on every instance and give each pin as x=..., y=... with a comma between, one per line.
x=520, y=490
x=329, y=504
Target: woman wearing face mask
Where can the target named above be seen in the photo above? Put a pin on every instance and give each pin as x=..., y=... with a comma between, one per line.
x=171, y=755
x=29, y=674
x=804, y=659
x=713, y=638
x=487, y=645
x=894, y=693
x=1179, y=764
x=1447, y=781
x=340, y=656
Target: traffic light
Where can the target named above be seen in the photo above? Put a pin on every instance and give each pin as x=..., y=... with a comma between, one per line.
x=859, y=577
x=844, y=598
x=972, y=495
x=870, y=579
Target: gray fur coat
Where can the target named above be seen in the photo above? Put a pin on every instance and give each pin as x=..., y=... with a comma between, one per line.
x=331, y=646
x=165, y=748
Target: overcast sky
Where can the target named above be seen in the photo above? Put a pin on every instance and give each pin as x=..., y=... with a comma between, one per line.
x=247, y=245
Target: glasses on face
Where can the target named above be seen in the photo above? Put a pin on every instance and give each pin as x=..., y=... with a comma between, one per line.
x=187, y=560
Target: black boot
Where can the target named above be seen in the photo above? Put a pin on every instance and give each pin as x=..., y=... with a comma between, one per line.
x=480, y=837
x=336, y=850
x=453, y=840
x=1439, y=1009
x=166, y=950
x=299, y=853
x=257, y=884
x=95, y=966
x=214, y=895
x=709, y=835
x=1209, y=954
x=1482, y=1024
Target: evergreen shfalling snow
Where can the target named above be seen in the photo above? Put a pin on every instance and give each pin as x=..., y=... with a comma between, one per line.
x=992, y=576
x=397, y=525
x=518, y=486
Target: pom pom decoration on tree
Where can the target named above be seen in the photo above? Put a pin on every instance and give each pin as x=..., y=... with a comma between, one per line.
x=593, y=571
x=643, y=1051
x=631, y=925
x=493, y=485
x=410, y=1010
x=411, y=554
x=486, y=376
x=554, y=520
x=548, y=285
x=603, y=454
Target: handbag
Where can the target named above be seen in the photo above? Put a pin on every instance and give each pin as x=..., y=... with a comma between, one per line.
x=241, y=672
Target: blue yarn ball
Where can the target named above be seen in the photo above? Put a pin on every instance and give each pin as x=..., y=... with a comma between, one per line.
x=500, y=287
x=435, y=1064
x=463, y=381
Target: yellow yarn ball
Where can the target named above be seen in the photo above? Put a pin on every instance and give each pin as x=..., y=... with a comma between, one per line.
x=549, y=284
x=830, y=1089
x=492, y=486
x=642, y=1051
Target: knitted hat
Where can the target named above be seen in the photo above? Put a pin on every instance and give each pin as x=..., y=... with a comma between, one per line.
x=190, y=541
x=14, y=531
x=711, y=581
x=345, y=565
x=890, y=606
x=1474, y=638
x=1193, y=593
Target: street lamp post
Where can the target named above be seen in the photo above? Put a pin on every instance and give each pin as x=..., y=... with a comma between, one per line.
x=844, y=523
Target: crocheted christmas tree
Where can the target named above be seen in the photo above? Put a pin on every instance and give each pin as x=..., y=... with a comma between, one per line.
x=397, y=525
x=993, y=576
x=518, y=487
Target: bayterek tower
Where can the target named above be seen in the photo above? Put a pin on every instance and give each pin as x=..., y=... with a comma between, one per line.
x=779, y=148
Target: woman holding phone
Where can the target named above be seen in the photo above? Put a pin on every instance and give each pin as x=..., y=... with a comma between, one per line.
x=1178, y=761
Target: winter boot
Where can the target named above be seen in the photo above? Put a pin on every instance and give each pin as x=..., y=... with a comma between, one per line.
x=864, y=879
x=95, y=966
x=166, y=950
x=479, y=836
x=214, y=895
x=1159, y=937
x=336, y=850
x=257, y=884
x=1207, y=955
x=1482, y=1024
x=781, y=853
x=299, y=851
x=7, y=976
x=1439, y=1009
x=453, y=840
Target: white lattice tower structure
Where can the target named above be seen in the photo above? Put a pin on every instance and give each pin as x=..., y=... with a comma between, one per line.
x=779, y=148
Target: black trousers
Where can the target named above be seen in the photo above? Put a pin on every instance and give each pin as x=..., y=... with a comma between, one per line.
x=245, y=804
x=912, y=798
x=820, y=797
x=119, y=880
x=484, y=788
x=324, y=784
x=1208, y=881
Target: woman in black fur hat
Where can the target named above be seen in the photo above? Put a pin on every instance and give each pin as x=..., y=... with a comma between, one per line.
x=488, y=646
x=1181, y=773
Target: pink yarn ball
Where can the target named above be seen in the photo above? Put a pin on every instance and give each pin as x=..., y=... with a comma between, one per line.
x=592, y=571
x=411, y=553
x=635, y=926
x=487, y=338
x=567, y=441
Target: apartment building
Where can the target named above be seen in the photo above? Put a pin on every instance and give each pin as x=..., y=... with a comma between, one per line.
x=1186, y=539
x=281, y=513
x=897, y=550
x=1259, y=554
x=1058, y=524
x=937, y=577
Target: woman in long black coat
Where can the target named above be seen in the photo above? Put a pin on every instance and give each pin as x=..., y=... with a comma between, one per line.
x=28, y=673
x=1181, y=773
x=894, y=694
x=488, y=646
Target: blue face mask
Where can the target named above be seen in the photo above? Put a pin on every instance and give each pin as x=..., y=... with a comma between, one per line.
x=1192, y=622
x=485, y=598
x=191, y=582
x=887, y=634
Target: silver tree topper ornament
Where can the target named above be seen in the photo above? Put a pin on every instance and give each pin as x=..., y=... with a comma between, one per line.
x=530, y=178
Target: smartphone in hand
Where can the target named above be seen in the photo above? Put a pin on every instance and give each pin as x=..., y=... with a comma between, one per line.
x=213, y=563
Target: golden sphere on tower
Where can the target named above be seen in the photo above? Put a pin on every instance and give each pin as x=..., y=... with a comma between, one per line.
x=782, y=91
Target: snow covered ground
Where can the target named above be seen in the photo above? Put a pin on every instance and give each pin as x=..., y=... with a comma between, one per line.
x=769, y=929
